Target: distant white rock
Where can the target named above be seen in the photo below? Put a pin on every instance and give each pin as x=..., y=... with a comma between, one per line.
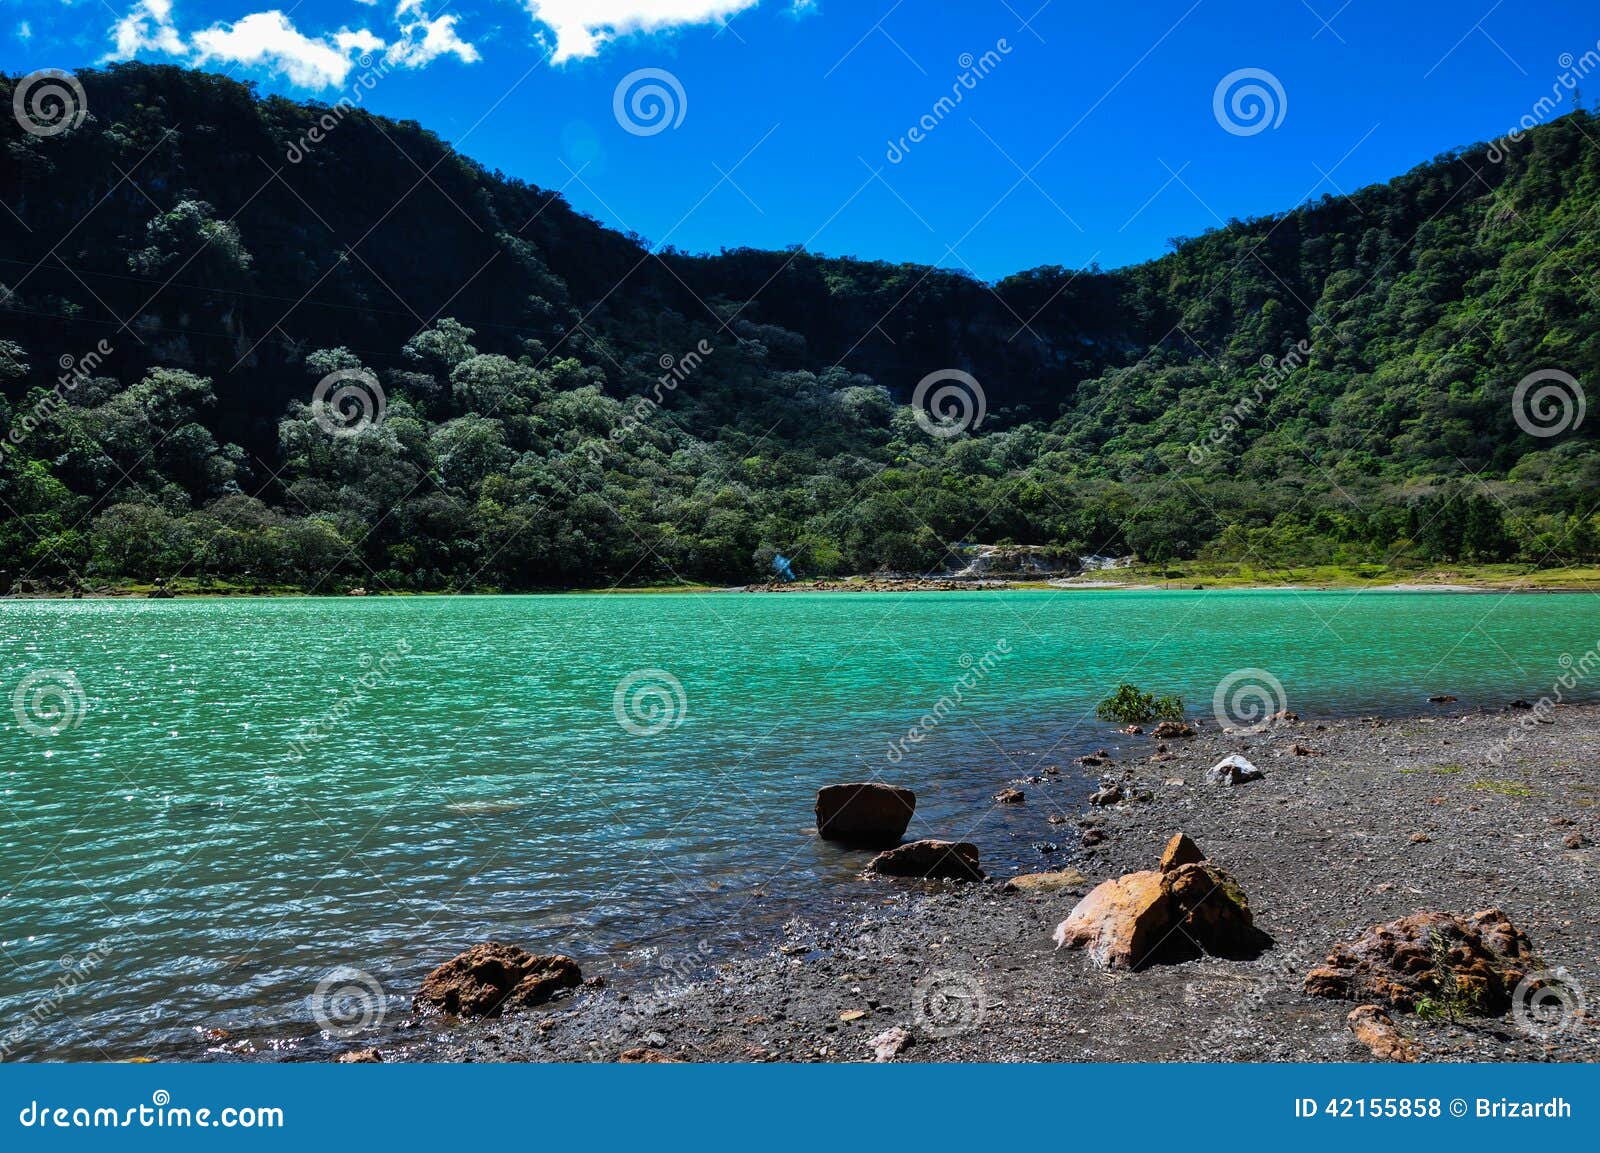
x=1233, y=770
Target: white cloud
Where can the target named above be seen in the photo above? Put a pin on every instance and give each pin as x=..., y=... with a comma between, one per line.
x=422, y=41
x=147, y=27
x=582, y=26
x=270, y=40
x=357, y=42
x=24, y=31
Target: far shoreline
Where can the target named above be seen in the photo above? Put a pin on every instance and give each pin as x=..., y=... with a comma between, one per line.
x=1492, y=579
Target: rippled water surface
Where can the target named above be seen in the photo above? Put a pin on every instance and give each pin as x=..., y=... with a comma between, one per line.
x=252, y=793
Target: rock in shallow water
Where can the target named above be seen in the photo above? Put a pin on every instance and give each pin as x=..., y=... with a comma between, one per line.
x=955, y=860
x=490, y=978
x=864, y=813
x=1173, y=730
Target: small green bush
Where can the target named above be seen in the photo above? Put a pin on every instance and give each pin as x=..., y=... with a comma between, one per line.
x=1132, y=706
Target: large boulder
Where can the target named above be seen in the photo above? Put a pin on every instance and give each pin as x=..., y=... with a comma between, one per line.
x=865, y=813
x=490, y=978
x=954, y=860
x=1121, y=922
x=1473, y=961
x=1185, y=907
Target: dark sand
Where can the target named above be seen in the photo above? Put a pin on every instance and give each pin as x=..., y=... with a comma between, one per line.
x=1324, y=846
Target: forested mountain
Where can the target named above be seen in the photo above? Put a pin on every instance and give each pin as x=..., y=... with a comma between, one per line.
x=182, y=272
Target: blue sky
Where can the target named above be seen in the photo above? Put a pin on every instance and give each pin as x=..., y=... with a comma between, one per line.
x=1084, y=132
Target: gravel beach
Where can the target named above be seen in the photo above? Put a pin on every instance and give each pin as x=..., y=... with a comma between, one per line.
x=1357, y=821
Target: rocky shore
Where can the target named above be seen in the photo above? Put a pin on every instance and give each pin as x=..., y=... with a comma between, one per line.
x=1352, y=824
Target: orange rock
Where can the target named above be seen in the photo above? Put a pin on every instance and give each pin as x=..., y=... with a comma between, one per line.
x=1121, y=921
x=1186, y=907
x=1180, y=851
x=643, y=1056
x=1374, y=1029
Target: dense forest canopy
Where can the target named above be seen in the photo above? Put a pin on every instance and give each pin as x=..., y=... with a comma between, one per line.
x=230, y=351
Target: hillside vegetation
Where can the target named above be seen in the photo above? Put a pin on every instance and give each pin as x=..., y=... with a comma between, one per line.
x=560, y=406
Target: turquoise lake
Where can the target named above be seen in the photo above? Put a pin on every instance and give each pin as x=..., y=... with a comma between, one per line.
x=210, y=805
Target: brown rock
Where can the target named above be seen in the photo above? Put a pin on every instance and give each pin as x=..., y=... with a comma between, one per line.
x=1574, y=841
x=1164, y=914
x=864, y=813
x=1443, y=699
x=644, y=1056
x=1110, y=795
x=1483, y=954
x=1092, y=837
x=490, y=978
x=956, y=860
x=1213, y=912
x=1121, y=922
x=1173, y=730
x=1009, y=797
x=1067, y=880
x=1180, y=851
x=1420, y=838
x=359, y=1057
x=1376, y=1031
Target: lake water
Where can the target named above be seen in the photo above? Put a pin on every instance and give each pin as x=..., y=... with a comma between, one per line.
x=210, y=806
